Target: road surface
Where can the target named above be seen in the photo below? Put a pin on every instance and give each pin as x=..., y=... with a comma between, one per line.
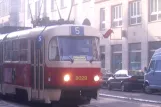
x=135, y=95
x=108, y=99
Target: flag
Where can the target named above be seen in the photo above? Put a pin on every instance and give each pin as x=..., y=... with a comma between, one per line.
x=108, y=33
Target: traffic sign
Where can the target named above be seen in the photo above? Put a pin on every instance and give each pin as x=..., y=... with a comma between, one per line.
x=77, y=30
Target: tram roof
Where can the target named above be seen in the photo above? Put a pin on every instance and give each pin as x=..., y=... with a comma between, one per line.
x=50, y=29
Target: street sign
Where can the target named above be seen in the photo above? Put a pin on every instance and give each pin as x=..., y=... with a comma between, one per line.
x=39, y=41
x=77, y=30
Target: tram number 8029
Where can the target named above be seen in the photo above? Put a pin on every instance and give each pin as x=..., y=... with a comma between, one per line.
x=81, y=78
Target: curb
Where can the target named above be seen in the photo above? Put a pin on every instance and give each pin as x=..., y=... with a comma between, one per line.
x=128, y=98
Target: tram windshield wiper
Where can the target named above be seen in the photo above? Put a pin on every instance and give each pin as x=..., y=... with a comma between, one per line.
x=71, y=59
x=91, y=60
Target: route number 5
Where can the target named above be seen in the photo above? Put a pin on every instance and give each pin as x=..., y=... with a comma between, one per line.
x=39, y=39
x=77, y=30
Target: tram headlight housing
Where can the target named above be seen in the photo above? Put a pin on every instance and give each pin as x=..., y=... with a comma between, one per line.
x=96, y=78
x=66, y=78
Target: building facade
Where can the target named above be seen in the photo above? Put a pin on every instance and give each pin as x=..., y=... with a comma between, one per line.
x=135, y=24
x=136, y=32
x=12, y=13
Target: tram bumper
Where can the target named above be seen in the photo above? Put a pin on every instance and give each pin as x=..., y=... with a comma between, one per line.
x=76, y=92
x=71, y=94
x=52, y=95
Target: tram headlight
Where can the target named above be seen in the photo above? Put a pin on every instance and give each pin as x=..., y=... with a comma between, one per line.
x=96, y=78
x=66, y=78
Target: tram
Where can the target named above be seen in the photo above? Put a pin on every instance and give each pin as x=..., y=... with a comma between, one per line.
x=51, y=64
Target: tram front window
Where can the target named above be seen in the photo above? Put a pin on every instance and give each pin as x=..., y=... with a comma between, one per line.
x=85, y=47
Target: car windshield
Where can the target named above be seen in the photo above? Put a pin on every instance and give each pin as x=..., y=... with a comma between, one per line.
x=136, y=73
x=84, y=47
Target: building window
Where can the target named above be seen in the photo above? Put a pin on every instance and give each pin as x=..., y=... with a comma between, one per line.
x=116, y=61
x=152, y=47
x=62, y=3
x=37, y=8
x=86, y=0
x=52, y=5
x=74, y=2
x=117, y=16
x=102, y=19
x=135, y=56
x=135, y=12
x=4, y=7
x=28, y=13
x=102, y=51
x=23, y=50
x=155, y=10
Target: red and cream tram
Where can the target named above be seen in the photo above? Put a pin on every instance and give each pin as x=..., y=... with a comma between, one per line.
x=49, y=64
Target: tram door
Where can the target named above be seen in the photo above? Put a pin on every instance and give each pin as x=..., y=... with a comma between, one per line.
x=37, y=69
x=1, y=65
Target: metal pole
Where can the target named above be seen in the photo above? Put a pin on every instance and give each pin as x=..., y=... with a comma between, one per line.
x=38, y=73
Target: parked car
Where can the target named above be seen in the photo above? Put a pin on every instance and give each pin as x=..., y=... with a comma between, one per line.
x=104, y=79
x=152, y=81
x=126, y=80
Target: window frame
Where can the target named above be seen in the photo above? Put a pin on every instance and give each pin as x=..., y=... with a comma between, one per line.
x=116, y=12
x=132, y=49
x=5, y=52
x=19, y=50
x=62, y=4
x=75, y=2
x=14, y=50
x=116, y=50
x=152, y=13
x=37, y=8
x=52, y=5
x=102, y=53
x=86, y=1
x=56, y=49
x=24, y=49
x=135, y=15
x=102, y=16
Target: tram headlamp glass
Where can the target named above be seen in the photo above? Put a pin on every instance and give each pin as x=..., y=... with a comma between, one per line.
x=96, y=78
x=66, y=78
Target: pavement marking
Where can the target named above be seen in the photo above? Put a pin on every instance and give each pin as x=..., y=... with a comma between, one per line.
x=130, y=98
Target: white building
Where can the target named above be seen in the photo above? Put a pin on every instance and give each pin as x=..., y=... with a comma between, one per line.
x=136, y=28
x=12, y=12
x=135, y=24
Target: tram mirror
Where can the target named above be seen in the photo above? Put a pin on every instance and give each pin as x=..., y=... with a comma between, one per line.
x=145, y=69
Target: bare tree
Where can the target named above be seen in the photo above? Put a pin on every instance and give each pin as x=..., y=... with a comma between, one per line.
x=44, y=21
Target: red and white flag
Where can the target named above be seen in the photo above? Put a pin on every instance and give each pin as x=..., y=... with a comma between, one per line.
x=108, y=33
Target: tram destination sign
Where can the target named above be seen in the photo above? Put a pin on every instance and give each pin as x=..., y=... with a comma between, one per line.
x=77, y=30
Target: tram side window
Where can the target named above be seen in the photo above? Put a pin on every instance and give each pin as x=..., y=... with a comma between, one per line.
x=15, y=55
x=53, y=50
x=23, y=49
x=8, y=51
